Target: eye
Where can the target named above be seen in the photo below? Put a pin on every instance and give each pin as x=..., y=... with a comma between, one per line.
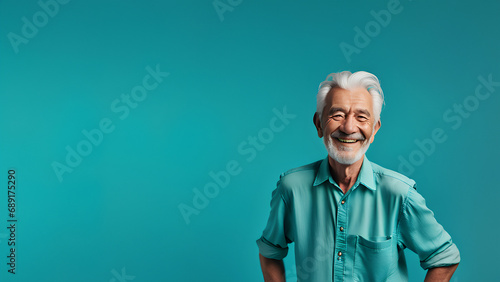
x=337, y=116
x=362, y=118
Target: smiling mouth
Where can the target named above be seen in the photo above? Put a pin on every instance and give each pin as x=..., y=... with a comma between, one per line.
x=347, y=140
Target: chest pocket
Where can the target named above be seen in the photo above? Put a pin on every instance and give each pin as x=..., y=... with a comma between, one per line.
x=374, y=258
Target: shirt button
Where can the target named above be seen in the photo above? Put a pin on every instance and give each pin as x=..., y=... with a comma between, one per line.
x=343, y=202
x=341, y=228
x=340, y=254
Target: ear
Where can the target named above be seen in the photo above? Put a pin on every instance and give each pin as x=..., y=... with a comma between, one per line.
x=317, y=124
x=375, y=130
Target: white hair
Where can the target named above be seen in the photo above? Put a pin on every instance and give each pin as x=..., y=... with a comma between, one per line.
x=347, y=80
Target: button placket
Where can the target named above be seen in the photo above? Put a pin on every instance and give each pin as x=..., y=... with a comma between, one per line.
x=340, y=242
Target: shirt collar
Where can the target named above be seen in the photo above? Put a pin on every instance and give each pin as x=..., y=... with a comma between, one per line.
x=365, y=176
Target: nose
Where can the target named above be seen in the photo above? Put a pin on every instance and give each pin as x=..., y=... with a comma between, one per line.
x=349, y=125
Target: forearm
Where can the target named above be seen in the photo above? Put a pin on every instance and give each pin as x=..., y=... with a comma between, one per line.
x=440, y=274
x=272, y=269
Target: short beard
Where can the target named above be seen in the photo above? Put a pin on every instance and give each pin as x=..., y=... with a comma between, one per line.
x=337, y=155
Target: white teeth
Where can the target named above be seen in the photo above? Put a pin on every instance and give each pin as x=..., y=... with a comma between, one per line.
x=347, y=140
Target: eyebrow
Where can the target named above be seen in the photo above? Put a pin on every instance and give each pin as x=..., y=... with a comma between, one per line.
x=336, y=109
x=363, y=111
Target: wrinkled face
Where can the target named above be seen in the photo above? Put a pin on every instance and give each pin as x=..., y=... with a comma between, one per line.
x=347, y=124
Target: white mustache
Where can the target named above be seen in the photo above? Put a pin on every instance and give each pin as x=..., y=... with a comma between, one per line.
x=339, y=134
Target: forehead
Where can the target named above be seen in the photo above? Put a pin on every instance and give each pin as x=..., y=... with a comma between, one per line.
x=349, y=98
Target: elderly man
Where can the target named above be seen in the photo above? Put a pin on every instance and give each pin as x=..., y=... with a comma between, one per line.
x=349, y=218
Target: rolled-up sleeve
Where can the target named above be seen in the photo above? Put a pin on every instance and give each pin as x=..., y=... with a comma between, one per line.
x=273, y=243
x=422, y=234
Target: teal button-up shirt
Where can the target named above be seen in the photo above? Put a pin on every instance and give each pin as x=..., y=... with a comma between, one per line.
x=356, y=236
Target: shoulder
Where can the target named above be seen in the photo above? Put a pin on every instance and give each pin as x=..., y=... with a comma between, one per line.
x=392, y=181
x=300, y=176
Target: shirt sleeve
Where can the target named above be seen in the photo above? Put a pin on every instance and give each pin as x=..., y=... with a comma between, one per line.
x=422, y=234
x=273, y=243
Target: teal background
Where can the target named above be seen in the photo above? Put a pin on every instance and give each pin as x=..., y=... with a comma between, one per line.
x=120, y=207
